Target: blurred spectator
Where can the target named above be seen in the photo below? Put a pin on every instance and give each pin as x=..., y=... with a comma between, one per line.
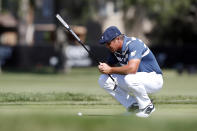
x=8, y=31
x=5, y=53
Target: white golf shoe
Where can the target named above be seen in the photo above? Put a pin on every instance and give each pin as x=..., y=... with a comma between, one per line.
x=146, y=112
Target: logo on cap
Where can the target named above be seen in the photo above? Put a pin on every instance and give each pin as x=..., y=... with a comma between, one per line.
x=109, y=34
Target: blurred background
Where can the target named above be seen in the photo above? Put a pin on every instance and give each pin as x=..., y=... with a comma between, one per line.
x=31, y=38
x=43, y=82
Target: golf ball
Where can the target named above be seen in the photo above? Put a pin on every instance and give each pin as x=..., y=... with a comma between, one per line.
x=79, y=114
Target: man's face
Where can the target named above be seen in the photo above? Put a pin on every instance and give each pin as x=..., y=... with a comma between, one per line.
x=113, y=46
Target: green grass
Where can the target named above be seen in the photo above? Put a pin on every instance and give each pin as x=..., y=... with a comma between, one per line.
x=37, y=102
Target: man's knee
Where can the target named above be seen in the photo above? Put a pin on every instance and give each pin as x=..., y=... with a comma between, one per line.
x=132, y=80
x=102, y=80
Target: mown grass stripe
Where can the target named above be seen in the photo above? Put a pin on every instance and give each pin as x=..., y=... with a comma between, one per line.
x=86, y=99
x=179, y=99
x=13, y=97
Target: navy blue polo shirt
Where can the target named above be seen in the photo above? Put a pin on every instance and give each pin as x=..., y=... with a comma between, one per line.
x=134, y=48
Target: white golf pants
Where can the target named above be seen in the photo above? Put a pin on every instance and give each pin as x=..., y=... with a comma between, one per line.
x=139, y=84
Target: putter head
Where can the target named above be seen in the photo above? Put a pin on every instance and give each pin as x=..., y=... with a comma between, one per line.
x=115, y=87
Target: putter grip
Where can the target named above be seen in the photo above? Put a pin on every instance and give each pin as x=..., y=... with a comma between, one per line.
x=62, y=21
x=67, y=27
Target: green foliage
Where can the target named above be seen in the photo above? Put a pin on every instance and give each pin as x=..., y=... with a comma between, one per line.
x=75, y=10
x=172, y=19
x=162, y=10
x=10, y=5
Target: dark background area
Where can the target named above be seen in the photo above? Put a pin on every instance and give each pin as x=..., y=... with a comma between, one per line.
x=172, y=38
x=24, y=57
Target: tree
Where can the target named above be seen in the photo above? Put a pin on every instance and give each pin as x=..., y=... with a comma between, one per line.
x=180, y=28
x=170, y=17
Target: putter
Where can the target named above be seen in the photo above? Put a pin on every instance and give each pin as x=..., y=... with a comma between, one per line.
x=81, y=43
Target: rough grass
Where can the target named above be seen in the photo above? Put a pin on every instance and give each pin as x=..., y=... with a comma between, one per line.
x=40, y=97
x=80, y=97
x=37, y=102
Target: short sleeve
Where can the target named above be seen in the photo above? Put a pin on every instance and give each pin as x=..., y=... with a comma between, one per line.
x=136, y=49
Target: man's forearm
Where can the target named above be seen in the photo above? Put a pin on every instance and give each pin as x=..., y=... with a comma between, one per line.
x=130, y=68
x=123, y=70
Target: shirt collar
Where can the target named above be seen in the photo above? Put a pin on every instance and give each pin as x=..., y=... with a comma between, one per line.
x=126, y=40
x=124, y=45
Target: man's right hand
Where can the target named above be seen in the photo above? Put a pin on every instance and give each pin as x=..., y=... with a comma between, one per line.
x=104, y=68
